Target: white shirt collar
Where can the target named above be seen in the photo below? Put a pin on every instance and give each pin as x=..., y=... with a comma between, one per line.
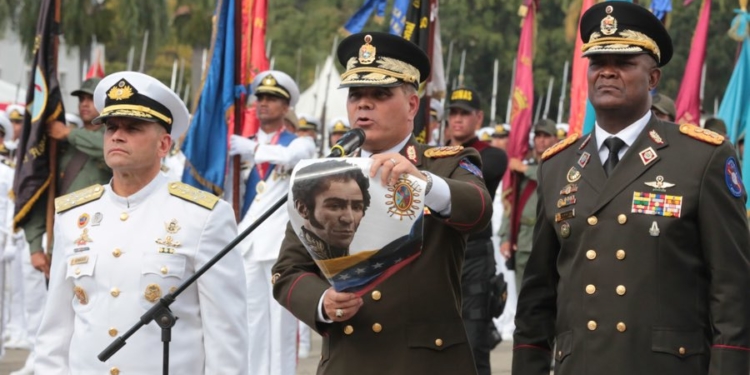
x=628, y=135
x=397, y=148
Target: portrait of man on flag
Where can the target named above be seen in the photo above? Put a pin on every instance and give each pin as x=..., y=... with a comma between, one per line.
x=357, y=231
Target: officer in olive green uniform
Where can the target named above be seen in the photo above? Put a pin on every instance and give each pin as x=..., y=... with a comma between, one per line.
x=81, y=165
x=411, y=322
x=545, y=135
x=641, y=254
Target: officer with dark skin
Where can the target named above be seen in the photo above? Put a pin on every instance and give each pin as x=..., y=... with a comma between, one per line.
x=641, y=254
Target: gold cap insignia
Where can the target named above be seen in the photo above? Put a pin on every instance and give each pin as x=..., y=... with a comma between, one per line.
x=609, y=23
x=120, y=91
x=15, y=115
x=367, y=51
x=339, y=127
x=268, y=81
x=302, y=122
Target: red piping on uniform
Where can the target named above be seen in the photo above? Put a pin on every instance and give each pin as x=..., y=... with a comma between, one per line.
x=481, y=214
x=732, y=347
x=530, y=347
x=289, y=295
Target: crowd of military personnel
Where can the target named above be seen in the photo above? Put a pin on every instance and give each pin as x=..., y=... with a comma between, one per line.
x=629, y=245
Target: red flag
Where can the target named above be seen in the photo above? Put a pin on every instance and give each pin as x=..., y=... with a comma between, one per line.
x=523, y=91
x=96, y=69
x=579, y=85
x=521, y=110
x=688, y=101
x=253, y=50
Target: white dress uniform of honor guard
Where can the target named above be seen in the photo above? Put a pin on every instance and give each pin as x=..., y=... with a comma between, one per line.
x=16, y=323
x=122, y=246
x=272, y=152
x=6, y=216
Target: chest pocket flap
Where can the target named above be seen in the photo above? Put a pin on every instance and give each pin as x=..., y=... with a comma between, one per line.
x=164, y=265
x=79, y=265
x=435, y=336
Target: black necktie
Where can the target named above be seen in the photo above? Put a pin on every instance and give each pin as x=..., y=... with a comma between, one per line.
x=614, y=145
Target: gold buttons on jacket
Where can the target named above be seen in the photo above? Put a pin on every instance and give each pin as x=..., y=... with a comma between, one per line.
x=592, y=220
x=620, y=254
x=591, y=325
x=116, y=253
x=621, y=290
x=113, y=332
x=114, y=292
x=438, y=342
x=376, y=295
x=681, y=350
x=114, y=371
x=78, y=271
x=621, y=327
x=164, y=270
x=348, y=330
x=591, y=254
x=590, y=289
x=377, y=327
x=124, y=216
x=622, y=219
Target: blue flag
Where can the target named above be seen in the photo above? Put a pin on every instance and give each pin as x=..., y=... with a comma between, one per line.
x=734, y=109
x=398, y=17
x=358, y=20
x=205, y=145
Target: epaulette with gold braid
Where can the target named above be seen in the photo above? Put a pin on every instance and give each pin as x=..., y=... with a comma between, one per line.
x=701, y=134
x=191, y=194
x=559, y=146
x=78, y=198
x=441, y=152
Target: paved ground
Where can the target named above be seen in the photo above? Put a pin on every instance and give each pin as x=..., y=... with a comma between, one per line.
x=501, y=357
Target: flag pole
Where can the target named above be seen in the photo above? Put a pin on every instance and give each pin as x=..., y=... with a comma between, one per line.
x=52, y=189
x=238, y=106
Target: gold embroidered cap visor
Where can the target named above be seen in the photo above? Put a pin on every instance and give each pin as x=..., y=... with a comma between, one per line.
x=339, y=125
x=276, y=83
x=15, y=112
x=381, y=60
x=139, y=96
x=615, y=27
x=307, y=122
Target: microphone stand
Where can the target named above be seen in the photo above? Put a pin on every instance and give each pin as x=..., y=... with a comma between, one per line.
x=161, y=313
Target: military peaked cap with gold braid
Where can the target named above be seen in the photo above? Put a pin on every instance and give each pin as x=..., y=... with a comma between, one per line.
x=78, y=198
x=701, y=134
x=15, y=112
x=382, y=60
x=339, y=125
x=307, y=122
x=620, y=27
x=138, y=96
x=559, y=146
x=276, y=83
x=191, y=194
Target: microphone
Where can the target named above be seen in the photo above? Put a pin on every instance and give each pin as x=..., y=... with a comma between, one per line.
x=349, y=142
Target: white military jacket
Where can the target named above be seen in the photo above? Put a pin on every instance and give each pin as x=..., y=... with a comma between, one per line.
x=115, y=256
x=264, y=243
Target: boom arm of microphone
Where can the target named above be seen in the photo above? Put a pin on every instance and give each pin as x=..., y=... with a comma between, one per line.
x=349, y=142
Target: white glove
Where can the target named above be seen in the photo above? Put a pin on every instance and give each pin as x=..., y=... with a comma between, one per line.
x=239, y=145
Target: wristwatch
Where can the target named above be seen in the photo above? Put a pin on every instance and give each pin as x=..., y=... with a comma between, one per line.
x=427, y=176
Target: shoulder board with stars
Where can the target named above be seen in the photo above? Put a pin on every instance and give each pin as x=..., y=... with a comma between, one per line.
x=191, y=194
x=701, y=134
x=559, y=146
x=78, y=198
x=441, y=152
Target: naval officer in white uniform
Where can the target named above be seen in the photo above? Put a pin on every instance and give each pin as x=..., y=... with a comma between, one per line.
x=272, y=153
x=120, y=247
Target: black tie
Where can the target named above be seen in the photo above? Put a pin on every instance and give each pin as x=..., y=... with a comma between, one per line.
x=614, y=145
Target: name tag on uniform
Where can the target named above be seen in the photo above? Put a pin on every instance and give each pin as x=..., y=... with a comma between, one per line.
x=656, y=204
x=565, y=215
x=79, y=260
